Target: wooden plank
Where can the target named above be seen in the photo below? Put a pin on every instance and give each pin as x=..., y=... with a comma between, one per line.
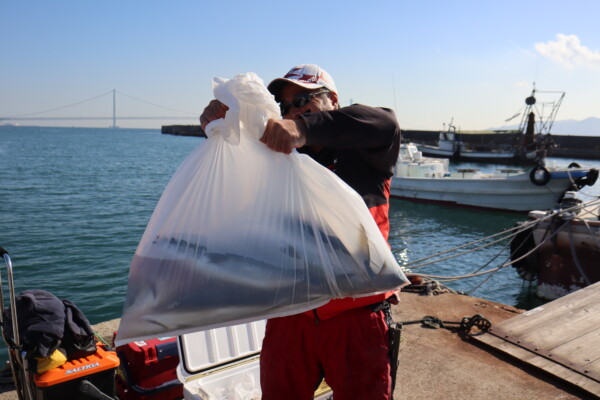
x=567, y=374
x=543, y=363
x=584, y=351
x=573, y=302
x=595, y=365
x=567, y=329
x=556, y=334
x=506, y=347
x=571, y=357
x=563, y=310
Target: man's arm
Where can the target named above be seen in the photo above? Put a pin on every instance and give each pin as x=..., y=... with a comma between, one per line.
x=280, y=135
x=356, y=126
x=348, y=127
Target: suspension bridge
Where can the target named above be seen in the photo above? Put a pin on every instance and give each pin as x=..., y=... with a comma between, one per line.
x=48, y=115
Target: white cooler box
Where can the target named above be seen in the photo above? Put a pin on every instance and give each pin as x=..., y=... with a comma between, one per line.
x=222, y=364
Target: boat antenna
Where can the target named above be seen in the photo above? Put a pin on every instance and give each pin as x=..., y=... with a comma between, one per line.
x=450, y=126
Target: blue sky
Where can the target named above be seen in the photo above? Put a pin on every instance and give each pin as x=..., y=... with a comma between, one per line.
x=431, y=61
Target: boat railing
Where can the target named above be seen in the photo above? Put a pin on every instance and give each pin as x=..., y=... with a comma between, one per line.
x=467, y=171
x=510, y=171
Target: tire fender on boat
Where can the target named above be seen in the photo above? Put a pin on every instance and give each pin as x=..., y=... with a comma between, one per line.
x=588, y=180
x=521, y=244
x=592, y=176
x=537, y=180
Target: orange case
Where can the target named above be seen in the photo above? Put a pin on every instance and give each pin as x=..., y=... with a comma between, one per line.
x=102, y=360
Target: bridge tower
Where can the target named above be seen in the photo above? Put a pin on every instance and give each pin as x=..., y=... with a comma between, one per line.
x=114, y=116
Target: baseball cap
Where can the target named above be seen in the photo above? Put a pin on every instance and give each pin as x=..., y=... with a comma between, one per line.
x=309, y=76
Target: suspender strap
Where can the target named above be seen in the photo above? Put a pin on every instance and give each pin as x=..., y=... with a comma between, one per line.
x=394, y=334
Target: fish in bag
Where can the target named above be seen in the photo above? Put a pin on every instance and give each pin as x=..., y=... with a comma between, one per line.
x=243, y=233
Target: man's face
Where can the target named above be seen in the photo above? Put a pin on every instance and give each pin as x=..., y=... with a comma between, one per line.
x=323, y=102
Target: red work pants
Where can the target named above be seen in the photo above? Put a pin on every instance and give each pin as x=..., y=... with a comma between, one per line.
x=349, y=350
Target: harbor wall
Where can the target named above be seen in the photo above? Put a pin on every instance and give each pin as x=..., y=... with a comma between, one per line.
x=565, y=146
x=183, y=130
x=576, y=147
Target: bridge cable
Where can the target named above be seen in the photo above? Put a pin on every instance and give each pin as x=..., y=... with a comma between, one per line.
x=155, y=105
x=60, y=108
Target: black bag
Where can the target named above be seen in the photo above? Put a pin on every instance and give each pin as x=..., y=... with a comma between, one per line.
x=47, y=323
x=78, y=340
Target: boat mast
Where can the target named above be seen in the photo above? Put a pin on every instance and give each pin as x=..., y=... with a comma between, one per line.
x=544, y=124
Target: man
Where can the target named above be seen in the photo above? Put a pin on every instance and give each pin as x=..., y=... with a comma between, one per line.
x=345, y=341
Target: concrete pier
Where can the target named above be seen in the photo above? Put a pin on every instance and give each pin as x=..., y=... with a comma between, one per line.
x=439, y=364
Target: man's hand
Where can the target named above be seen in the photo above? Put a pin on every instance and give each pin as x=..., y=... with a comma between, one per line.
x=213, y=111
x=283, y=135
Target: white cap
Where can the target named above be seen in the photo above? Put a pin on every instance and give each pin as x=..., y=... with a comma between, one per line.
x=309, y=76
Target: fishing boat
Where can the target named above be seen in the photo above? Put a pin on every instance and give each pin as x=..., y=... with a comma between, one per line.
x=506, y=147
x=423, y=179
x=559, y=249
x=529, y=144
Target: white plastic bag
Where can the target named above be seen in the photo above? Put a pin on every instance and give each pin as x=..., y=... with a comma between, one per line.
x=243, y=233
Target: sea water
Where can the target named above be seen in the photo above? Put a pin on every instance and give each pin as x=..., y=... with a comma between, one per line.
x=74, y=203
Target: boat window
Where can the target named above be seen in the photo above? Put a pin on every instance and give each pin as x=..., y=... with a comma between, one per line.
x=406, y=153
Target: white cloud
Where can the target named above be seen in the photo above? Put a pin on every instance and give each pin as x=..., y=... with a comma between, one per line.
x=568, y=51
x=523, y=84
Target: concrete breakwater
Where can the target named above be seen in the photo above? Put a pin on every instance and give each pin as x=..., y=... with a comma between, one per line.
x=565, y=146
x=576, y=147
x=183, y=130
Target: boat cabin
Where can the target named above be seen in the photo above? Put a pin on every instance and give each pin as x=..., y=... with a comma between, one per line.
x=412, y=164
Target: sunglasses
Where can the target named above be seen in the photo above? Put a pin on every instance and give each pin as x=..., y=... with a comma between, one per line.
x=300, y=100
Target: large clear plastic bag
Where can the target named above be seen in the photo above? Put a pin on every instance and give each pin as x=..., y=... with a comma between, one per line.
x=243, y=233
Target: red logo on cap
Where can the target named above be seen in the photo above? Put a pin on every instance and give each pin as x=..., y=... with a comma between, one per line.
x=304, y=78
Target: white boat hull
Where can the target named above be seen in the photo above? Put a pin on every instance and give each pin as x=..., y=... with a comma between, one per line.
x=429, y=180
x=516, y=193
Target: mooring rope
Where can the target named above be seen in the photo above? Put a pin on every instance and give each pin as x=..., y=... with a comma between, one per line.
x=589, y=228
x=511, y=233
x=515, y=230
x=451, y=278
